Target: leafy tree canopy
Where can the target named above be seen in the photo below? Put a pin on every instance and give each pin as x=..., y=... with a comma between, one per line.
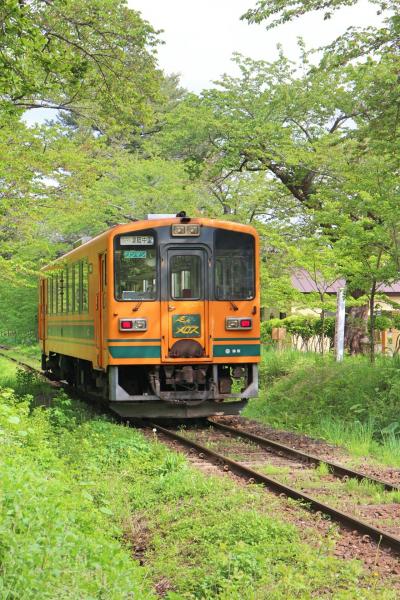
x=93, y=59
x=277, y=12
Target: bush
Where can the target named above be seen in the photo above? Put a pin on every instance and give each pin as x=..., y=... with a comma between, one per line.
x=382, y=322
x=299, y=326
x=266, y=329
x=56, y=541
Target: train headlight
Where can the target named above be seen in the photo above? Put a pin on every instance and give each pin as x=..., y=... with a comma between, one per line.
x=233, y=323
x=133, y=324
x=185, y=230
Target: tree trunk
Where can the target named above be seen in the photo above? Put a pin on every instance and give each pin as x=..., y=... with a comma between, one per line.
x=372, y=323
x=356, y=329
x=322, y=331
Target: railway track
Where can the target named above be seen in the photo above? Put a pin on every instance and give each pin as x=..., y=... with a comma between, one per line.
x=19, y=362
x=252, y=475
x=381, y=537
x=334, y=468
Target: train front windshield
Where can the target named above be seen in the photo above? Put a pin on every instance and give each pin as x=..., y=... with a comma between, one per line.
x=234, y=265
x=135, y=259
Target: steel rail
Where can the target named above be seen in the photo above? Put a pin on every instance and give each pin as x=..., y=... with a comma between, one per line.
x=335, y=468
x=52, y=382
x=378, y=535
x=22, y=364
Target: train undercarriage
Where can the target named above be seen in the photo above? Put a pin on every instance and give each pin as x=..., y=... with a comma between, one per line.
x=156, y=391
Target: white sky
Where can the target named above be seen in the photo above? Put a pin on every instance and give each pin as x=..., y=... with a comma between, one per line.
x=201, y=35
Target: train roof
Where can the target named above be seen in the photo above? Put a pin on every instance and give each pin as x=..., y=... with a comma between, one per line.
x=152, y=223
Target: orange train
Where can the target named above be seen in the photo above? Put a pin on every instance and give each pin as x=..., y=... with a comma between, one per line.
x=159, y=317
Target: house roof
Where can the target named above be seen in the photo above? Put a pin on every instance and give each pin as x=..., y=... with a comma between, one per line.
x=303, y=282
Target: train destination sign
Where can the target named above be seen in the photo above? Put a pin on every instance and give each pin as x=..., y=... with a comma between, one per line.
x=135, y=253
x=136, y=240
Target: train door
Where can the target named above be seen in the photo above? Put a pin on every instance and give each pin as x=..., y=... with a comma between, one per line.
x=184, y=323
x=101, y=305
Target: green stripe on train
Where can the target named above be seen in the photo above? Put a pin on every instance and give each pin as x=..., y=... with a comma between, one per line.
x=135, y=351
x=236, y=350
x=83, y=332
x=237, y=339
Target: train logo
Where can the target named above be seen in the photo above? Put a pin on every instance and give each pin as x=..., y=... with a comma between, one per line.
x=184, y=326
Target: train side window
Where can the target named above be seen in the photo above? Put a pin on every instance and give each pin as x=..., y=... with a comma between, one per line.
x=56, y=297
x=234, y=265
x=67, y=306
x=71, y=290
x=85, y=285
x=76, y=277
x=61, y=283
x=104, y=266
x=53, y=285
x=72, y=277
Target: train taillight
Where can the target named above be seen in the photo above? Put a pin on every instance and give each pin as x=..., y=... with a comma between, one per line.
x=233, y=323
x=133, y=324
x=245, y=323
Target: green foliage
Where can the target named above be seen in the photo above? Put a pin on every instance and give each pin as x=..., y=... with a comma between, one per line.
x=93, y=59
x=305, y=152
x=396, y=320
x=276, y=12
x=327, y=326
x=322, y=136
x=77, y=176
x=382, y=322
x=282, y=12
x=266, y=329
x=301, y=326
x=276, y=365
x=55, y=540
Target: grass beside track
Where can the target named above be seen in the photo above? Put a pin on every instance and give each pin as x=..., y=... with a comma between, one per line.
x=354, y=403
x=29, y=355
x=81, y=497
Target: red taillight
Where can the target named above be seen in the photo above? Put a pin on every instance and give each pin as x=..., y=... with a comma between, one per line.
x=133, y=324
x=237, y=323
x=245, y=323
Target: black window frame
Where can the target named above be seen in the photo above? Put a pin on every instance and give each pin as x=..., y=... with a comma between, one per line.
x=84, y=272
x=117, y=246
x=215, y=257
x=76, y=279
x=187, y=251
